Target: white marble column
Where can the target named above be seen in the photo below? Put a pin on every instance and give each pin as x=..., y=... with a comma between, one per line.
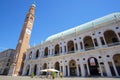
x=64, y=70
x=82, y=68
x=77, y=70
x=117, y=36
x=78, y=44
x=107, y=68
x=101, y=72
x=88, y=70
x=115, y=68
x=74, y=46
x=30, y=71
x=63, y=50
x=83, y=46
x=104, y=40
x=68, y=70
x=93, y=42
x=99, y=41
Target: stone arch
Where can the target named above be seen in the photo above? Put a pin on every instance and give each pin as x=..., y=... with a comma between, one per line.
x=57, y=66
x=116, y=59
x=45, y=66
x=57, y=49
x=35, y=69
x=46, y=51
x=70, y=46
x=72, y=68
x=27, y=69
x=88, y=42
x=110, y=37
x=37, y=53
x=93, y=66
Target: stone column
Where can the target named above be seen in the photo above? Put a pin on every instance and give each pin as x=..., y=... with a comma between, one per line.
x=107, y=68
x=74, y=46
x=30, y=71
x=63, y=49
x=24, y=71
x=78, y=44
x=83, y=45
x=99, y=41
x=77, y=70
x=88, y=70
x=93, y=42
x=82, y=68
x=115, y=68
x=117, y=36
x=68, y=70
x=100, y=69
x=104, y=40
x=64, y=70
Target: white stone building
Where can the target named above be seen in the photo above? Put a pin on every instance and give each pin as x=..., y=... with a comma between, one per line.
x=91, y=49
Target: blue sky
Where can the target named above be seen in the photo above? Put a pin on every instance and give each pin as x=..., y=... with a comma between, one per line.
x=51, y=17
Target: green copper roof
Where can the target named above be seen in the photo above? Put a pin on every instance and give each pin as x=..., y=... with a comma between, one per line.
x=87, y=26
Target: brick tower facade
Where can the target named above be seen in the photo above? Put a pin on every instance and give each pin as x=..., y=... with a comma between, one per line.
x=23, y=43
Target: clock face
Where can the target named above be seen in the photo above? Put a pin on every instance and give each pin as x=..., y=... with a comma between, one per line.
x=28, y=31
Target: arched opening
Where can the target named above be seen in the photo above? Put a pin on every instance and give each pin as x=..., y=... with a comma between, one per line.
x=46, y=52
x=27, y=70
x=37, y=53
x=93, y=66
x=116, y=59
x=57, y=49
x=72, y=66
x=70, y=46
x=35, y=69
x=88, y=43
x=45, y=66
x=30, y=55
x=110, y=37
x=57, y=66
x=5, y=72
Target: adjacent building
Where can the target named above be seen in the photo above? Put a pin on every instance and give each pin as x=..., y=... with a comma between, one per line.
x=6, y=60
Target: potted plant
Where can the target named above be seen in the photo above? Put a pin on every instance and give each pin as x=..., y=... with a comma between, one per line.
x=53, y=75
x=32, y=75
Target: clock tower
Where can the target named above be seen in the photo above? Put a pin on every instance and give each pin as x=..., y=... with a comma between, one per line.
x=23, y=42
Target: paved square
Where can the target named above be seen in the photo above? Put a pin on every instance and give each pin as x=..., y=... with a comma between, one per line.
x=66, y=78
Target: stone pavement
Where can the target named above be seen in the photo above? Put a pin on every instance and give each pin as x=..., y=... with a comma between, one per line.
x=66, y=78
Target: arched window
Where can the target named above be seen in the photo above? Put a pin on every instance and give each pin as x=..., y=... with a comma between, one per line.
x=57, y=49
x=72, y=68
x=57, y=66
x=45, y=66
x=46, y=52
x=88, y=43
x=110, y=37
x=37, y=53
x=30, y=55
x=70, y=46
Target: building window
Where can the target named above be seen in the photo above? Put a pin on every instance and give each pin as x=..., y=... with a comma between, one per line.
x=37, y=53
x=76, y=46
x=65, y=48
x=7, y=64
x=81, y=45
x=102, y=41
x=95, y=40
x=117, y=27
